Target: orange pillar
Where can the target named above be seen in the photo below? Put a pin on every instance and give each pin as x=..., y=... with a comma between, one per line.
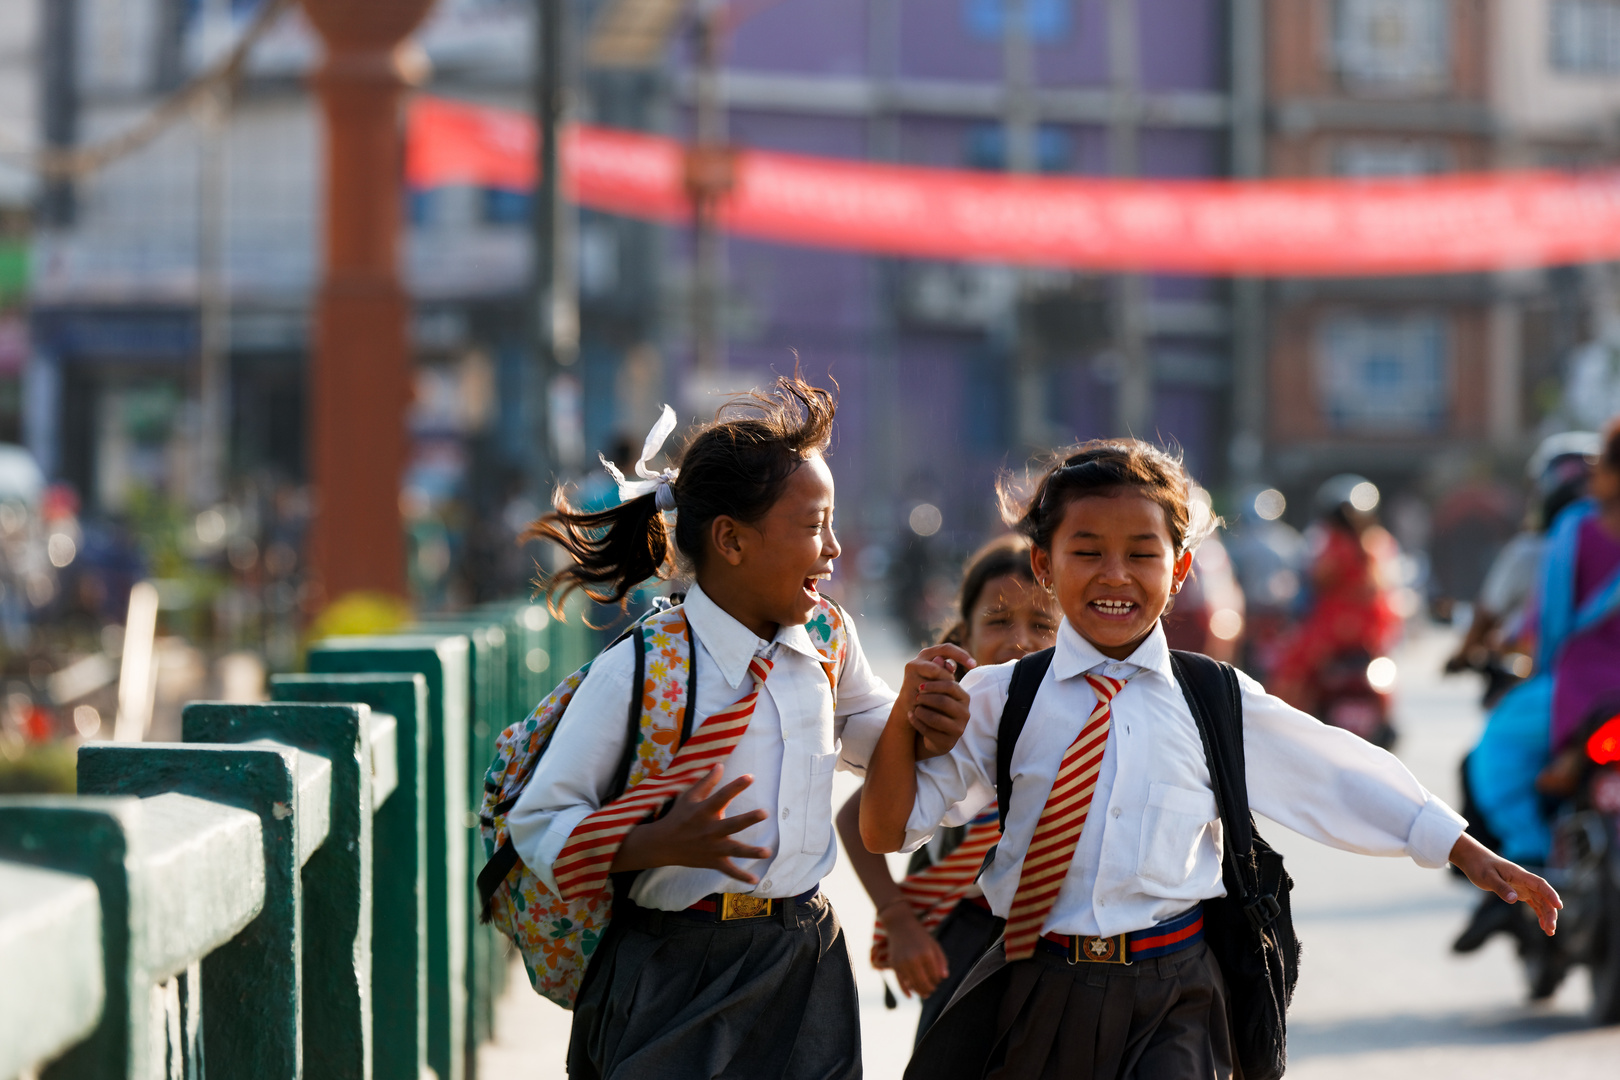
x=360, y=370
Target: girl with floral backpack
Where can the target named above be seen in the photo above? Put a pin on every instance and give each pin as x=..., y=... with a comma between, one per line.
x=700, y=865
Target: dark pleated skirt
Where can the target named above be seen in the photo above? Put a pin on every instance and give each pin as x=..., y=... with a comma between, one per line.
x=672, y=998
x=1045, y=1019
x=966, y=935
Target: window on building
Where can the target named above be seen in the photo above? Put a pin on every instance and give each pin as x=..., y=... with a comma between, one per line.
x=1368, y=158
x=1393, y=46
x=987, y=148
x=1383, y=373
x=1048, y=20
x=503, y=207
x=1585, y=36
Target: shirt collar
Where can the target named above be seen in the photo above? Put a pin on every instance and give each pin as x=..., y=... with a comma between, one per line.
x=730, y=644
x=1076, y=656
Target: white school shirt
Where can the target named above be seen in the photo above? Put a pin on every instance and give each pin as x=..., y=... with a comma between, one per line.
x=1151, y=846
x=794, y=741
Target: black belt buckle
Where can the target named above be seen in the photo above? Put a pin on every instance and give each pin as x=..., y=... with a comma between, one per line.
x=1115, y=949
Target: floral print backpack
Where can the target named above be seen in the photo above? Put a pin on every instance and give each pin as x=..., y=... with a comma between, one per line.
x=556, y=937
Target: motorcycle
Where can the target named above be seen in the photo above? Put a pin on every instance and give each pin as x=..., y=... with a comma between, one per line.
x=1584, y=867
x=1353, y=692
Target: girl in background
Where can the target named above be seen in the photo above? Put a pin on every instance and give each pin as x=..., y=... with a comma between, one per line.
x=933, y=926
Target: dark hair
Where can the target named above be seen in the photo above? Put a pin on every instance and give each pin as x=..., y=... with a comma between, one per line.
x=1106, y=467
x=1002, y=557
x=1611, y=443
x=734, y=467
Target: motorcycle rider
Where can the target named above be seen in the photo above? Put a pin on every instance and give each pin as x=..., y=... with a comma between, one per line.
x=1500, y=774
x=1558, y=473
x=1580, y=613
x=1350, y=577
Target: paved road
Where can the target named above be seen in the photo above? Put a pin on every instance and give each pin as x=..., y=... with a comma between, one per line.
x=1379, y=996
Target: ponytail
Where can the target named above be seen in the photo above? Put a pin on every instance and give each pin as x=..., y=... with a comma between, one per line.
x=610, y=551
x=735, y=467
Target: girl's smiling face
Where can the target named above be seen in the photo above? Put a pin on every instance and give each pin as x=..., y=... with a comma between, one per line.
x=768, y=573
x=1012, y=616
x=1113, y=567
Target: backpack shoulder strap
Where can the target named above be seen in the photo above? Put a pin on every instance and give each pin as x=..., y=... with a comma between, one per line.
x=621, y=775
x=1027, y=676
x=1216, y=702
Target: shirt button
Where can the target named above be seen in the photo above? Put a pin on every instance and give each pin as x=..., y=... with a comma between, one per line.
x=784, y=813
x=1114, y=669
x=765, y=885
x=1114, y=812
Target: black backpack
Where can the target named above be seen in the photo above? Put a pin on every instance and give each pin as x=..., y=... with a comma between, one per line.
x=1250, y=930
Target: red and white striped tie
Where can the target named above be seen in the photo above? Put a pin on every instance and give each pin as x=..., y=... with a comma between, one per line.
x=581, y=868
x=934, y=891
x=1051, y=849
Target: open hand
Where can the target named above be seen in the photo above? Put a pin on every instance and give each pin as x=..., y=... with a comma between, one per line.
x=936, y=706
x=696, y=832
x=1512, y=882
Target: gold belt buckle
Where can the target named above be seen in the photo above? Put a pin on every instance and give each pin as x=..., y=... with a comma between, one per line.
x=742, y=906
x=1100, y=950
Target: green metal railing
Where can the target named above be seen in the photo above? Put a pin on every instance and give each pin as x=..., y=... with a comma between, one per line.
x=290, y=889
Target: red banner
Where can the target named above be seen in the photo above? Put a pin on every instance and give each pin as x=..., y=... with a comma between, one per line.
x=1454, y=223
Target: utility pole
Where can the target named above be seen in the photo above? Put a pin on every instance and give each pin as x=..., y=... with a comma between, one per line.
x=1246, y=452
x=883, y=482
x=1020, y=133
x=360, y=370
x=208, y=485
x=1133, y=404
x=554, y=300
x=708, y=178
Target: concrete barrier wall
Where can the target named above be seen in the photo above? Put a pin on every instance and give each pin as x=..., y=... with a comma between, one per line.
x=289, y=889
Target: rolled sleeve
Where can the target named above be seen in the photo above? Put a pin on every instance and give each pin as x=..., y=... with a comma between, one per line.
x=1338, y=789
x=862, y=705
x=954, y=787
x=1434, y=834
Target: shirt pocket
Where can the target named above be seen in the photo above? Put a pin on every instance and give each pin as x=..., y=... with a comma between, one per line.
x=817, y=823
x=1173, y=826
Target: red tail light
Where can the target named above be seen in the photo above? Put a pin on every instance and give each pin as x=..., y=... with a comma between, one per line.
x=1604, y=745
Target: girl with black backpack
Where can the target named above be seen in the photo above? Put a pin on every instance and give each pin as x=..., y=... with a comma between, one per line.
x=1125, y=773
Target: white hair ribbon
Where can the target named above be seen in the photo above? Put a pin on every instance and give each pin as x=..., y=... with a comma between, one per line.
x=657, y=483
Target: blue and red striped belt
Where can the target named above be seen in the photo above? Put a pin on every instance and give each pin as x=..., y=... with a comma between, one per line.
x=1182, y=932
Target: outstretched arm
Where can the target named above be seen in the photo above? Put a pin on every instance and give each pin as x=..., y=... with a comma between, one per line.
x=1512, y=882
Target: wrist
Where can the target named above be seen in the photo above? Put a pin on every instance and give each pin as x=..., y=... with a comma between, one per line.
x=897, y=915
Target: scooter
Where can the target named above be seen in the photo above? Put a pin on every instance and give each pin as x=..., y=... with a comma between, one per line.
x=1352, y=692
x=1584, y=867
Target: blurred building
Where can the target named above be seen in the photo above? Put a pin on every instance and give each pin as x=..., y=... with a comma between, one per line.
x=948, y=371
x=121, y=280
x=952, y=371
x=1425, y=383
